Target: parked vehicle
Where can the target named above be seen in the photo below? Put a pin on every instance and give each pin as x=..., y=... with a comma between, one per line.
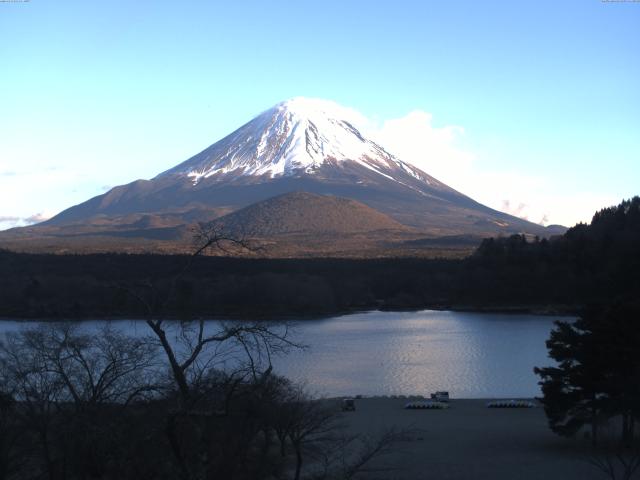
x=440, y=396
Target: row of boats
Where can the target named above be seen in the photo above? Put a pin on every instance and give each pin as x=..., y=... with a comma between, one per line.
x=438, y=405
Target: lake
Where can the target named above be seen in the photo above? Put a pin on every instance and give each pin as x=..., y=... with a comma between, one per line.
x=472, y=355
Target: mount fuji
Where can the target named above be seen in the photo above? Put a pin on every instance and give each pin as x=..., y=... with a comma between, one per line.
x=300, y=145
x=296, y=137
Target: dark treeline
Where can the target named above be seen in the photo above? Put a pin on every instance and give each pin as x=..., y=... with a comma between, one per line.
x=595, y=381
x=589, y=263
x=594, y=263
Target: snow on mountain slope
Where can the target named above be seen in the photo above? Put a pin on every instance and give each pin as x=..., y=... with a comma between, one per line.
x=300, y=145
x=294, y=138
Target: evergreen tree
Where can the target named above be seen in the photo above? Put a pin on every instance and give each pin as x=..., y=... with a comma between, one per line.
x=598, y=371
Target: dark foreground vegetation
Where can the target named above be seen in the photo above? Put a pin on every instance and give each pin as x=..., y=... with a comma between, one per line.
x=594, y=388
x=81, y=405
x=590, y=263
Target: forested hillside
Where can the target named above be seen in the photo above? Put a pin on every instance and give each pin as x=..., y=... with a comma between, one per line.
x=590, y=263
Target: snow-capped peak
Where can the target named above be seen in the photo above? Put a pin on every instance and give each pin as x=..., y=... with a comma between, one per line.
x=294, y=137
x=316, y=108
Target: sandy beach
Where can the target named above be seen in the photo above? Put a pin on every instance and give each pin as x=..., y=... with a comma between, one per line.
x=470, y=441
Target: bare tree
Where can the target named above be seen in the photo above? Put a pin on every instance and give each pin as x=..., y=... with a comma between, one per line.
x=320, y=443
x=11, y=459
x=106, y=367
x=239, y=352
x=66, y=382
x=38, y=391
x=191, y=347
x=311, y=424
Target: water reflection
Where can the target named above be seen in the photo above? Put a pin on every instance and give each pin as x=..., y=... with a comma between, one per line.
x=473, y=355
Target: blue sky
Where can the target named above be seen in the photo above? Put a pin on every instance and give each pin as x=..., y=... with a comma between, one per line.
x=530, y=107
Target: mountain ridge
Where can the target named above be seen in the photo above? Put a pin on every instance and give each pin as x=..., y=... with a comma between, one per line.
x=300, y=145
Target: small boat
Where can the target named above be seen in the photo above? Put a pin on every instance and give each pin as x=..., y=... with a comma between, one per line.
x=511, y=404
x=426, y=405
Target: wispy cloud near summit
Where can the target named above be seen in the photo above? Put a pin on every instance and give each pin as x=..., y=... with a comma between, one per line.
x=9, y=221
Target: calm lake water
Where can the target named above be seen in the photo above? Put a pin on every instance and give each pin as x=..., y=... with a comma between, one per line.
x=472, y=355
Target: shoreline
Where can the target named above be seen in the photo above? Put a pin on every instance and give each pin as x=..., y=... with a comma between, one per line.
x=470, y=441
x=539, y=310
x=452, y=400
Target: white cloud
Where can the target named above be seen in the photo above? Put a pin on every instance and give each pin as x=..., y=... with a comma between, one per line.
x=43, y=191
x=440, y=152
x=37, y=218
x=10, y=221
x=513, y=209
x=414, y=139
